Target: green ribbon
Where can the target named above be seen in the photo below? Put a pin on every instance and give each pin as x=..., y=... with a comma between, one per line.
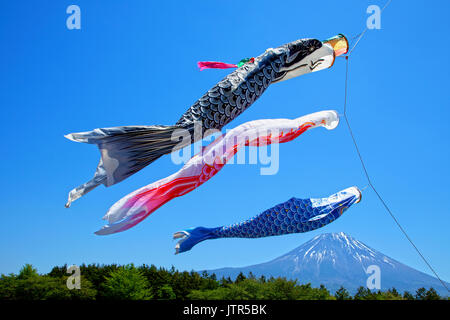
x=243, y=61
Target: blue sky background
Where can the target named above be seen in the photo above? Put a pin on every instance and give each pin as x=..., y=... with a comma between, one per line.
x=135, y=63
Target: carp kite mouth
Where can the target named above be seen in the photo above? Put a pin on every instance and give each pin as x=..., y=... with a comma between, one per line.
x=339, y=44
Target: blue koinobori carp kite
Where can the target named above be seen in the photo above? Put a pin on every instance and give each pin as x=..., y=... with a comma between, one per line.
x=293, y=216
x=138, y=205
x=127, y=149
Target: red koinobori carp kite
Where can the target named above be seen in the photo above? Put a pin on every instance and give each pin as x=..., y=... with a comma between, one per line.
x=293, y=216
x=126, y=150
x=138, y=205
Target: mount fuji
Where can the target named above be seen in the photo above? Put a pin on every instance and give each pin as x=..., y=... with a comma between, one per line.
x=337, y=259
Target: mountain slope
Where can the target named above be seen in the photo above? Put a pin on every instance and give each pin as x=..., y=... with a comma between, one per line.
x=337, y=259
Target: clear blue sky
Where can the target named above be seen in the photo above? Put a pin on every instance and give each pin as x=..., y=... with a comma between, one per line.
x=135, y=63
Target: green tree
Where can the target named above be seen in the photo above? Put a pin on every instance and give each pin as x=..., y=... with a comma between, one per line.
x=240, y=277
x=97, y=275
x=363, y=294
x=225, y=281
x=342, y=294
x=431, y=294
x=58, y=272
x=27, y=272
x=127, y=283
x=144, y=282
x=249, y=288
x=166, y=293
x=216, y=294
x=238, y=292
x=31, y=286
x=8, y=287
x=391, y=294
x=408, y=296
x=421, y=293
x=38, y=287
x=86, y=292
x=243, y=290
x=281, y=289
x=322, y=293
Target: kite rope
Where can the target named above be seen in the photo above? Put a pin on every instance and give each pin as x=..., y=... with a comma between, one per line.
x=365, y=169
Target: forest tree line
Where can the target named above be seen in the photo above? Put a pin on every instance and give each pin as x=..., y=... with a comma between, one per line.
x=128, y=282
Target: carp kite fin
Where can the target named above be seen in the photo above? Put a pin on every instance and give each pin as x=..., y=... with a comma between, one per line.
x=124, y=151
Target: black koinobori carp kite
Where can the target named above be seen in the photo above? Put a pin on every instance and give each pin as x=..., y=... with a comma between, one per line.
x=126, y=150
